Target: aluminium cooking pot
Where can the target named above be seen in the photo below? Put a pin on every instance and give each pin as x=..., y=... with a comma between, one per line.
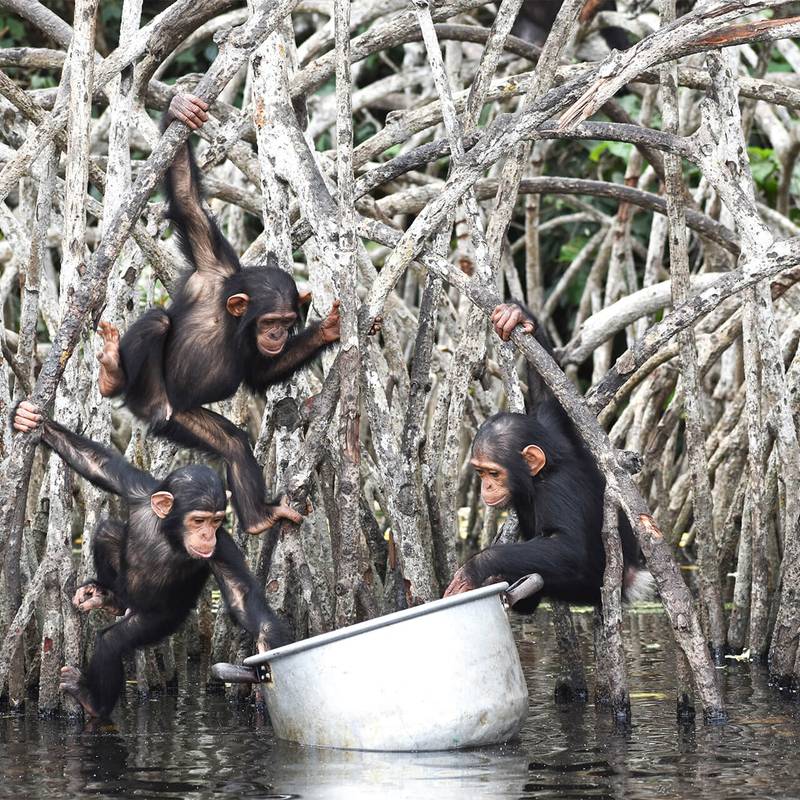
x=439, y=676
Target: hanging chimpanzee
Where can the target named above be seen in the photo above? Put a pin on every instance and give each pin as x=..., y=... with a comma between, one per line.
x=227, y=324
x=153, y=567
x=537, y=464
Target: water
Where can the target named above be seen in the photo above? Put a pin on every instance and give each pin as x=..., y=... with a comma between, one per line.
x=195, y=746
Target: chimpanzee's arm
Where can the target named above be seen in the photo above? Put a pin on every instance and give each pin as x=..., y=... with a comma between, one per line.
x=299, y=350
x=243, y=596
x=200, y=238
x=100, y=465
x=505, y=318
x=560, y=559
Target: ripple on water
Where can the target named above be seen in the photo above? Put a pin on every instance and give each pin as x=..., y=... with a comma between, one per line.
x=195, y=746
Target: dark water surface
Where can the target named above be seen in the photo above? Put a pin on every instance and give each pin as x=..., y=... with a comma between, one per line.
x=196, y=746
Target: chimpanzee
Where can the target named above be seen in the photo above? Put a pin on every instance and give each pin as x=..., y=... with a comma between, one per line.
x=537, y=464
x=536, y=18
x=152, y=568
x=226, y=325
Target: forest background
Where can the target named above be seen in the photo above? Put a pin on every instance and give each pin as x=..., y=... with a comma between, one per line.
x=644, y=204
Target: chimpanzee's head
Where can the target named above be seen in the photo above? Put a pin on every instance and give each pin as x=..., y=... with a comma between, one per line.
x=508, y=451
x=268, y=307
x=191, y=503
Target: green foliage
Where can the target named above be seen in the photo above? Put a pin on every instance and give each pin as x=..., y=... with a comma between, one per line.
x=12, y=31
x=765, y=168
x=324, y=142
x=632, y=103
x=569, y=250
x=110, y=14
x=777, y=63
x=363, y=132
x=621, y=150
x=43, y=81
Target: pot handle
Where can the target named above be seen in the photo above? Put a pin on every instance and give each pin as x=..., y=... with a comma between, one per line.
x=232, y=673
x=525, y=587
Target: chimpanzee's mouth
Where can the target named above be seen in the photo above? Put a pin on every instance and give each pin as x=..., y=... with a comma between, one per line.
x=272, y=351
x=202, y=553
x=494, y=503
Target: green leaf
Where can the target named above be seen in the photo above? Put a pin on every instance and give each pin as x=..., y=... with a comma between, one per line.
x=620, y=150
x=569, y=250
x=15, y=28
x=761, y=171
x=110, y=12
x=597, y=151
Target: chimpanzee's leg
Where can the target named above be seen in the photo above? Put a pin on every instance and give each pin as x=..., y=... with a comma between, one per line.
x=99, y=690
x=141, y=353
x=104, y=591
x=214, y=434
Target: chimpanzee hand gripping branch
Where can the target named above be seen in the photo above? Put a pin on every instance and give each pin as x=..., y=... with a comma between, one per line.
x=151, y=568
x=227, y=324
x=538, y=465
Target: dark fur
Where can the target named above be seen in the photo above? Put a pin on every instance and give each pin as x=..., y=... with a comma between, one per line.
x=560, y=509
x=195, y=352
x=536, y=18
x=144, y=567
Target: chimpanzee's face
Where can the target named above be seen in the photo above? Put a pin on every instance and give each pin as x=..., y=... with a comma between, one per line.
x=272, y=331
x=495, y=490
x=200, y=532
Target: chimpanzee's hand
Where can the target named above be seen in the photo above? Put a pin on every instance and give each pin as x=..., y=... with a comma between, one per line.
x=330, y=328
x=460, y=583
x=189, y=109
x=506, y=317
x=27, y=417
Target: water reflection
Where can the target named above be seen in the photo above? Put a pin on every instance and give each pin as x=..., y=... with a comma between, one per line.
x=195, y=746
x=334, y=774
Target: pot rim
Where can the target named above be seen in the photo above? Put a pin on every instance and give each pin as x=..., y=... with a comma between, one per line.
x=374, y=624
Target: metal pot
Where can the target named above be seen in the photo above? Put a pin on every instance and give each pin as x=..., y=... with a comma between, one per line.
x=440, y=676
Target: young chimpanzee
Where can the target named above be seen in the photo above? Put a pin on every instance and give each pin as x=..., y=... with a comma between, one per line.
x=227, y=324
x=537, y=464
x=153, y=567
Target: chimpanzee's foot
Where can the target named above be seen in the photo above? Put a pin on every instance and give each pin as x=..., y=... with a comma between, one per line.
x=274, y=515
x=71, y=684
x=92, y=595
x=262, y=525
x=112, y=377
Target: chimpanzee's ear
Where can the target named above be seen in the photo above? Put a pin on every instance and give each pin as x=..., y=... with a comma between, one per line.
x=305, y=298
x=161, y=503
x=535, y=458
x=237, y=304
